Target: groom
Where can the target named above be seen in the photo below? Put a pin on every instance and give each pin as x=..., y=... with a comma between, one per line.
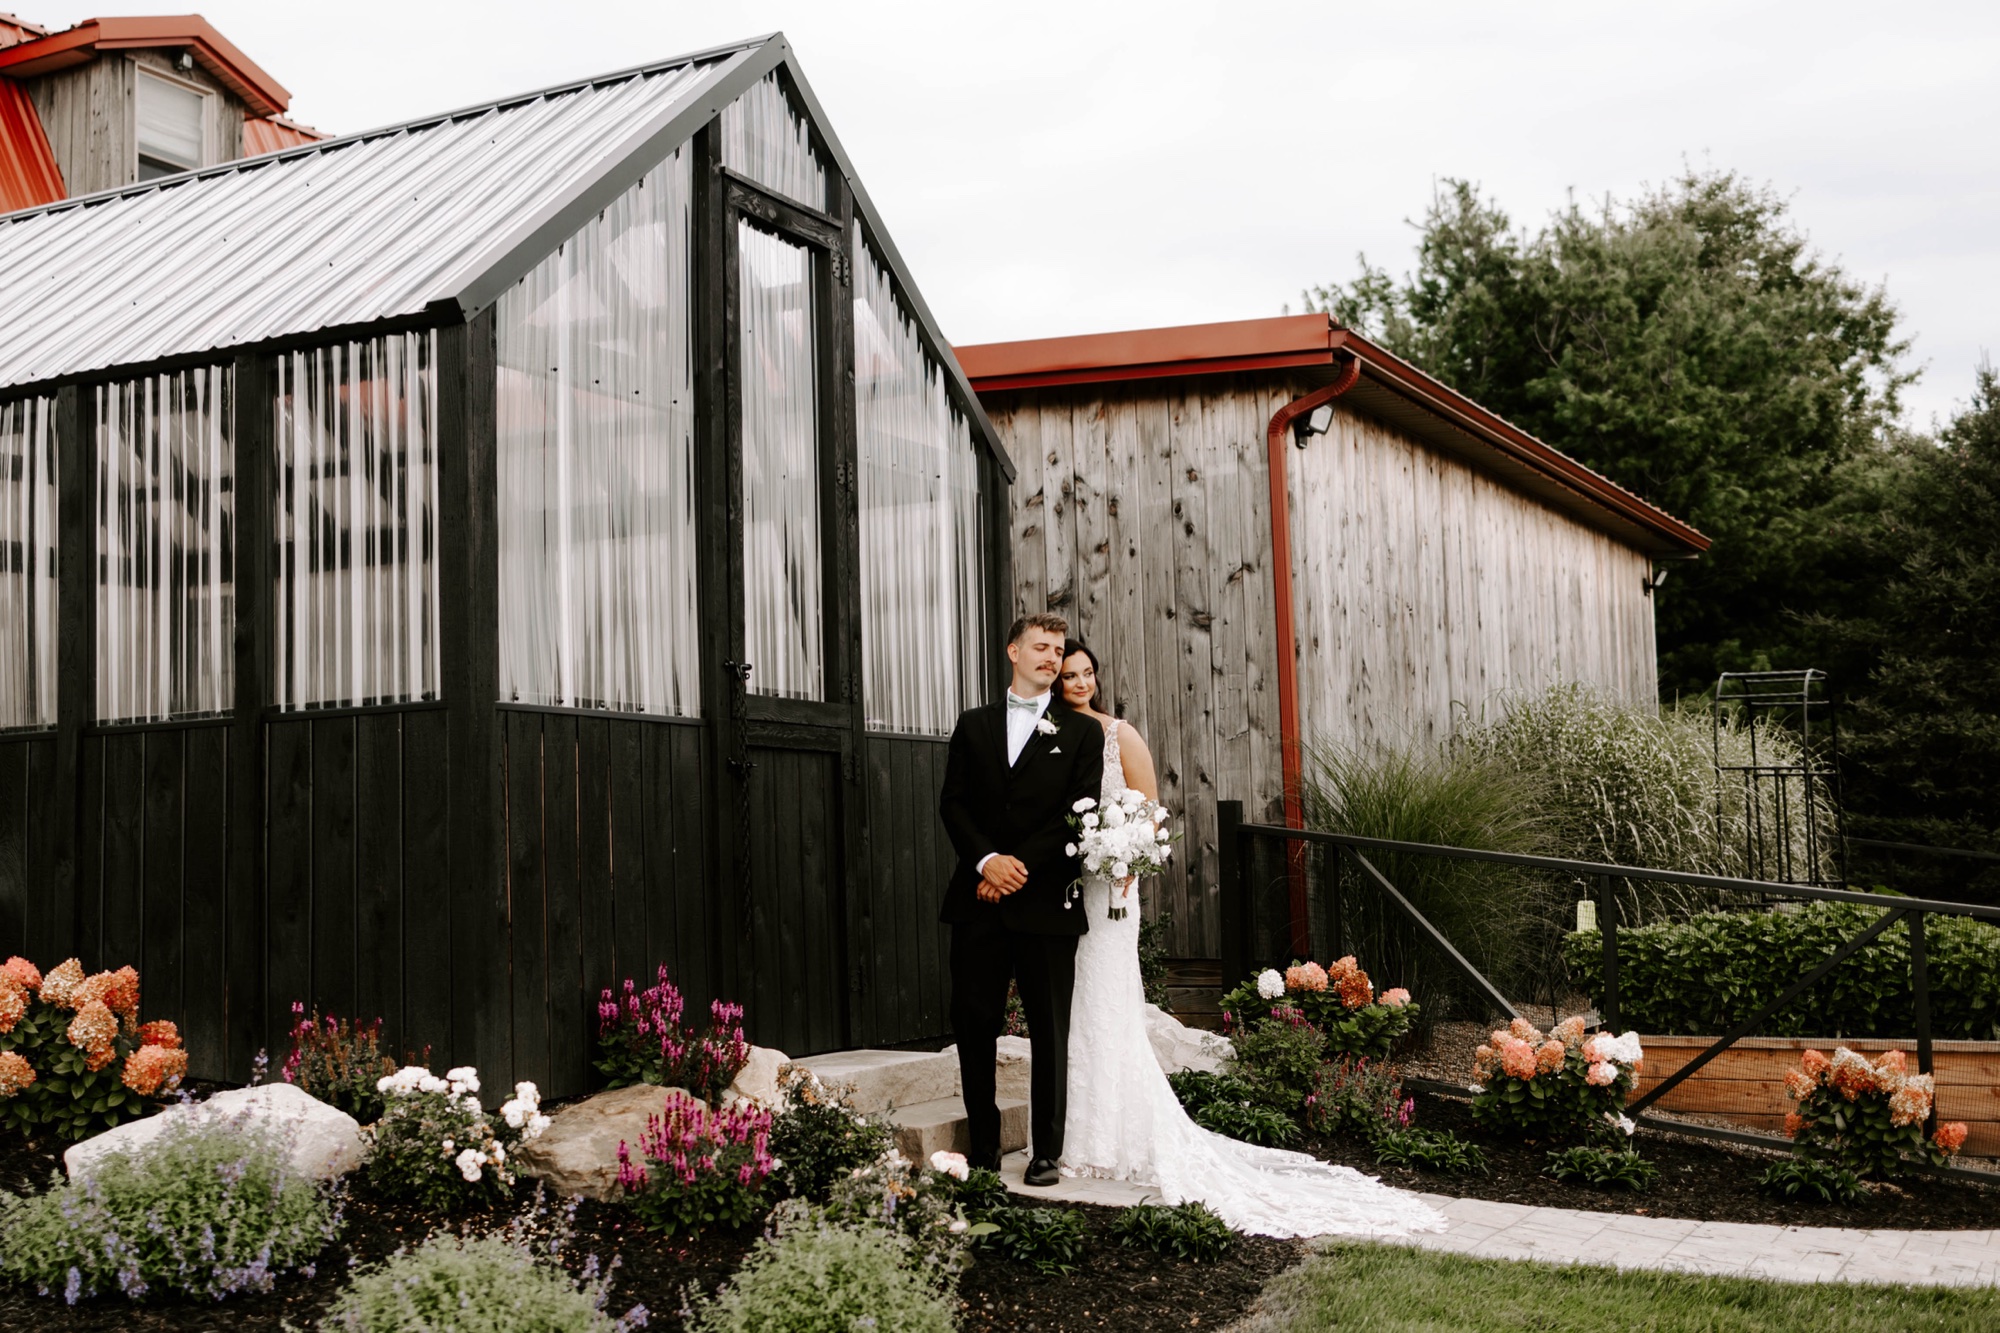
x=1014, y=770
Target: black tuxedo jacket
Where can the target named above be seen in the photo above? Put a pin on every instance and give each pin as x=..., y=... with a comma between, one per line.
x=1020, y=811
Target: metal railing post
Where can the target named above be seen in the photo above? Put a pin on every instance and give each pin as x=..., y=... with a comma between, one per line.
x=1233, y=892
x=1920, y=988
x=1340, y=859
x=1607, y=927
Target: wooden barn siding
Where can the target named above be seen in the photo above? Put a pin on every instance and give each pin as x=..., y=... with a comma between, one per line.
x=898, y=947
x=87, y=112
x=28, y=926
x=1141, y=513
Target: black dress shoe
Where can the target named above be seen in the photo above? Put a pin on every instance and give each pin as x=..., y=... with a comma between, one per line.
x=989, y=1162
x=1041, y=1171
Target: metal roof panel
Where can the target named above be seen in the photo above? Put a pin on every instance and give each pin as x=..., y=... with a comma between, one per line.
x=29, y=175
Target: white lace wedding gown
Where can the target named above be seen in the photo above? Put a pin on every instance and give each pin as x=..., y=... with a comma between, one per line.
x=1126, y=1124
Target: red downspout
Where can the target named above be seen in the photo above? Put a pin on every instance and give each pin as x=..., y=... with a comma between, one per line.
x=1288, y=635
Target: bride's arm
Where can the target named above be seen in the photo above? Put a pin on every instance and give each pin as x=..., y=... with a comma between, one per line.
x=1138, y=761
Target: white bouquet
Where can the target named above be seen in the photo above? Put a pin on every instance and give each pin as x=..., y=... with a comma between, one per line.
x=1124, y=840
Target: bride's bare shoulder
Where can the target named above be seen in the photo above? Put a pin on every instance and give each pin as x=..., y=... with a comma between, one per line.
x=1129, y=740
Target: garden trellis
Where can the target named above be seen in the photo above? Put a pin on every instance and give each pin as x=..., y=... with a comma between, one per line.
x=533, y=543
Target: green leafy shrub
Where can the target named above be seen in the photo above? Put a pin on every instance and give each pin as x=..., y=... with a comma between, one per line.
x=640, y=1039
x=74, y=1058
x=209, y=1207
x=1231, y=1106
x=1339, y=1001
x=698, y=1168
x=1048, y=1240
x=341, y=1062
x=1604, y=1167
x=1867, y=1116
x=435, y=1145
x=1278, y=1058
x=510, y=1280
x=1437, y=1150
x=1359, y=1097
x=1812, y=1181
x=919, y=1202
x=817, y=1138
x=1189, y=1231
x=979, y=1193
x=1709, y=972
x=1560, y=1085
x=819, y=1277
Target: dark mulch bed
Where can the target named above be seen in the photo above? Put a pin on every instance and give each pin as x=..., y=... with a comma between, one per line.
x=1117, y=1288
x=1700, y=1179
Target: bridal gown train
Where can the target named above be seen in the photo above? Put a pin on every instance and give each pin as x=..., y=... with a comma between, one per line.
x=1125, y=1123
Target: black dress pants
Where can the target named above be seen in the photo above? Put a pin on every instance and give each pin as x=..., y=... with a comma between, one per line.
x=985, y=955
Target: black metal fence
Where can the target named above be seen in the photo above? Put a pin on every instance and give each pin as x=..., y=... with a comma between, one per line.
x=1479, y=934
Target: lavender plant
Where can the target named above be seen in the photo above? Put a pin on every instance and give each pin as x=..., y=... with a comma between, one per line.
x=210, y=1207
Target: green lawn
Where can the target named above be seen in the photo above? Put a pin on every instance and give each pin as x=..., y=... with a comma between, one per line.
x=1387, y=1289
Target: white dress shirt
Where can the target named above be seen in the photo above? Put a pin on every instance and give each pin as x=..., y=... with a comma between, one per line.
x=1020, y=727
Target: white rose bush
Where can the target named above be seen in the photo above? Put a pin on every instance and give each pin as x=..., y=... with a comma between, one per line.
x=437, y=1145
x=1124, y=841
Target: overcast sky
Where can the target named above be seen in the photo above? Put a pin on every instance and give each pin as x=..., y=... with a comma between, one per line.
x=1083, y=166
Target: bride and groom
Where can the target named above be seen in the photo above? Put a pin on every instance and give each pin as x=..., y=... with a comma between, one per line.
x=1099, y=1105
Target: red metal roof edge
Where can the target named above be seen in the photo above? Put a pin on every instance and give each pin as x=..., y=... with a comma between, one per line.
x=1293, y=340
x=216, y=53
x=29, y=176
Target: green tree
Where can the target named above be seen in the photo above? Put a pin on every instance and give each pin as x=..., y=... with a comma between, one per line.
x=1692, y=346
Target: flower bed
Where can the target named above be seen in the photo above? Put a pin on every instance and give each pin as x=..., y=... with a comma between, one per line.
x=1746, y=1083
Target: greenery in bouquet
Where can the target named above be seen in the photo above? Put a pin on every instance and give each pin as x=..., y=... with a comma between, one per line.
x=1560, y=1085
x=74, y=1058
x=1359, y=1097
x=341, y=1062
x=207, y=1208
x=1338, y=1000
x=817, y=1138
x=698, y=1168
x=1123, y=839
x=1869, y=1117
x=436, y=1145
x=640, y=1039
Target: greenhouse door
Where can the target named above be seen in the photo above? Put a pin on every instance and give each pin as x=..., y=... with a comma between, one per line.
x=791, y=763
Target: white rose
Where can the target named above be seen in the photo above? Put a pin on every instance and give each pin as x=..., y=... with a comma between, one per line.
x=465, y=1076
x=514, y=1114
x=951, y=1164
x=1270, y=985
x=432, y=1083
x=1087, y=803
x=1120, y=869
x=1069, y=849
x=527, y=1092
x=1114, y=816
x=469, y=1164
x=1046, y=727
x=1090, y=821
x=539, y=1122
x=448, y=1146
x=497, y=1152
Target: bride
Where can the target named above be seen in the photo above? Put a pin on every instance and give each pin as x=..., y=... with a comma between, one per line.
x=1124, y=1121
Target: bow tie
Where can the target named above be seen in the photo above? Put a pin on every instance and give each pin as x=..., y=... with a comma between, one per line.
x=1016, y=701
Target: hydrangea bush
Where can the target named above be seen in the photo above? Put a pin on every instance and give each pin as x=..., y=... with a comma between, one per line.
x=640, y=1039
x=74, y=1058
x=1868, y=1117
x=1559, y=1085
x=1339, y=1001
x=209, y=1207
x=438, y=1146
x=698, y=1168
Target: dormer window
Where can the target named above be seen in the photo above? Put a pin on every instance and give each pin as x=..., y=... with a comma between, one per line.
x=172, y=124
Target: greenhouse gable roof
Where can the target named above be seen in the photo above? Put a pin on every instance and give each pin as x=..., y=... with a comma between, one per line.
x=421, y=222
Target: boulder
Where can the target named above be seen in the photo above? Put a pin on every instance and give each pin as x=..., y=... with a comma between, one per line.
x=1011, y=1065
x=578, y=1152
x=323, y=1141
x=1177, y=1046
x=757, y=1081
x=884, y=1080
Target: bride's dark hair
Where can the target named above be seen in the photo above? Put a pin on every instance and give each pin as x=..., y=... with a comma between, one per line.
x=1071, y=647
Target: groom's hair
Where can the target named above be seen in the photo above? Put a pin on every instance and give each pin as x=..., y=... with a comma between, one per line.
x=1044, y=620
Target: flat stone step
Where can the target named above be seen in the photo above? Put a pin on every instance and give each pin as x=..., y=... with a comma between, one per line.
x=940, y=1126
x=885, y=1080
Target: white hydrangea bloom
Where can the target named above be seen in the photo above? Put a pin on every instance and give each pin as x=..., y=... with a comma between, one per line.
x=1270, y=984
x=1624, y=1049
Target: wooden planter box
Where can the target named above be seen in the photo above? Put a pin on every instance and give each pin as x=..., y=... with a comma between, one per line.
x=1746, y=1083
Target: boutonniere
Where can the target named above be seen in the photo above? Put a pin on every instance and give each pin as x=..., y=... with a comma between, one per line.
x=1046, y=727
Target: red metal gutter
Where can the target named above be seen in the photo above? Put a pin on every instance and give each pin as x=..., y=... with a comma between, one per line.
x=214, y=52
x=1289, y=736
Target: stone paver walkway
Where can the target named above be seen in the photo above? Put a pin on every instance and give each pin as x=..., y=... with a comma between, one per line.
x=1490, y=1230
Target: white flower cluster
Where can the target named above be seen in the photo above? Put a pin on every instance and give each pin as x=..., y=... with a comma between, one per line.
x=1270, y=984
x=523, y=1111
x=951, y=1164
x=1127, y=837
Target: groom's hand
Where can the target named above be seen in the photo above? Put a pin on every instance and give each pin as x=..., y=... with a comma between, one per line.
x=1003, y=875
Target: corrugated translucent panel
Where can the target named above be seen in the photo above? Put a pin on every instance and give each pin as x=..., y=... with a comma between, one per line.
x=354, y=524
x=923, y=528
x=166, y=605
x=596, y=457
x=766, y=140
x=357, y=230
x=28, y=583
x=783, y=593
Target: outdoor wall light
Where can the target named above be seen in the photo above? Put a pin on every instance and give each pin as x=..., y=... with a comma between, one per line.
x=1312, y=423
x=1654, y=580
x=186, y=62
